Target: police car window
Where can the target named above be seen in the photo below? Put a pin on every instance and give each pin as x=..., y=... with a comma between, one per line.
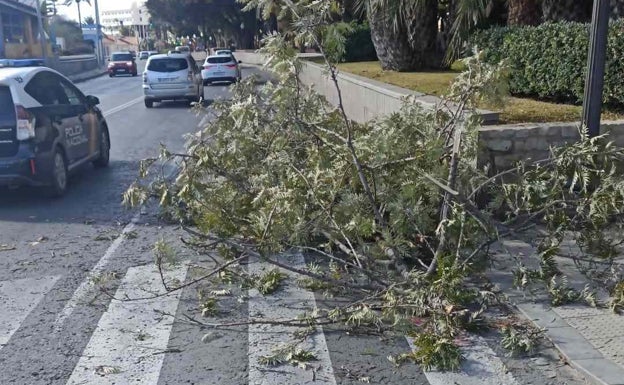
x=7, y=110
x=72, y=95
x=46, y=89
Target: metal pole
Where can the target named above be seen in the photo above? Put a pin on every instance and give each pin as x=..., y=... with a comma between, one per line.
x=42, y=39
x=98, y=32
x=594, y=83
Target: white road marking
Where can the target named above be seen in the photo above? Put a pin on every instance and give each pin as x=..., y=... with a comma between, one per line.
x=17, y=299
x=87, y=285
x=288, y=303
x=132, y=337
x=122, y=107
x=481, y=367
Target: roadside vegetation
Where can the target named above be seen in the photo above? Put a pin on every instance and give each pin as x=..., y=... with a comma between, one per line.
x=438, y=83
x=392, y=214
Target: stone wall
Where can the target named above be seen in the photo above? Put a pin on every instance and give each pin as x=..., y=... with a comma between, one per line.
x=502, y=146
x=73, y=65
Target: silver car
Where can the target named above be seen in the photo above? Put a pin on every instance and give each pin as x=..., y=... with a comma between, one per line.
x=173, y=76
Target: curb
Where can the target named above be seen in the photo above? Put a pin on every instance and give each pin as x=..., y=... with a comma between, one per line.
x=577, y=350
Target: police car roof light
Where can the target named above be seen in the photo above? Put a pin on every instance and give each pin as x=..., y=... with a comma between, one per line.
x=21, y=63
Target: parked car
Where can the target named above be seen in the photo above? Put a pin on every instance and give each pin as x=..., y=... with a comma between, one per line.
x=221, y=68
x=122, y=63
x=173, y=76
x=152, y=53
x=143, y=55
x=48, y=128
x=223, y=52
x=183, y=49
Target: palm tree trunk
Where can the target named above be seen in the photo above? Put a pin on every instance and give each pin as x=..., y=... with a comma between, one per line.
x=392, y=45
x=617, y=9
x=422, y=28
x=567, y=10
x=524, y=12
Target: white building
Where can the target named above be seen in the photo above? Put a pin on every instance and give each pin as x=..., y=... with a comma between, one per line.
x=136, y=18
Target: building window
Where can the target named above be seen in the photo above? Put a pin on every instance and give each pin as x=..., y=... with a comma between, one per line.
x=13, y=27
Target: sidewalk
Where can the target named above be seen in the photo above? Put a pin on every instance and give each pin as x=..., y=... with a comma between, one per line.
x=84, y=76
x=591, y=339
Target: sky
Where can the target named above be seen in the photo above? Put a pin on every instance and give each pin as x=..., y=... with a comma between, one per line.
x=71, y=11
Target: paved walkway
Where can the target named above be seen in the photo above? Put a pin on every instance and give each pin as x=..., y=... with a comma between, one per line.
x=88, y=75
x=592, y=339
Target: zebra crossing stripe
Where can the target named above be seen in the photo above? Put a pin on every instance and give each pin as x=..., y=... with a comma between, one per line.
x=481, y=366
x=130, y=342
x=17, y=299
x=288, y=303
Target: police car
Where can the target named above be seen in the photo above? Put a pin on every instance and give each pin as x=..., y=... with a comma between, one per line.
x=48, y=128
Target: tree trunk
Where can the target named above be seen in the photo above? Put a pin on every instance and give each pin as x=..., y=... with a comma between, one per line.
x=392, y=46
x=422, y=28
x=617, y=9
x=524, y=12
x=567, y=10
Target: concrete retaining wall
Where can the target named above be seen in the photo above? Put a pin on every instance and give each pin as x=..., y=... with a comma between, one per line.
x=363, y=99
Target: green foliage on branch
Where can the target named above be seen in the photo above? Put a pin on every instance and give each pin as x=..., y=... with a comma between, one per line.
x=392, y=210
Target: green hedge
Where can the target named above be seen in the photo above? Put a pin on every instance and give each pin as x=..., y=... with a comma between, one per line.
x=359, y=45
x=549, y=61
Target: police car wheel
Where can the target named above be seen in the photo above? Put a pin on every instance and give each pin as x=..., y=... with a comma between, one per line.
x=149, y=103
x=58, y=183
x=103, y=159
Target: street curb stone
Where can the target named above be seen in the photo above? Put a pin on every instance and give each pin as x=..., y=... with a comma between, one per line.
x=578, y=351
x=84, y=76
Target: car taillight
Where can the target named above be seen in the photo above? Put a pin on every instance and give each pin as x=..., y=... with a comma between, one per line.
x=231, y=65
x=190, y=76
x=207, y=67
x=144, y=77
x=111, y=65
x=129, y=63
x=25, y=123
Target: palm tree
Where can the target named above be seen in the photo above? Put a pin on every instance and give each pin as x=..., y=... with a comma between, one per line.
x=524, y=12
x=69, y=2
x=567, y=10
x=403, y=32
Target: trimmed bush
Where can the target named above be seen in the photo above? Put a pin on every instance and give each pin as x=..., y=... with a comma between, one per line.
x=359, y=45
x=549, y=61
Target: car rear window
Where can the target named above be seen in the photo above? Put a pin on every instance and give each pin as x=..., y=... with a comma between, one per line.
x=219, y=60
x=7, y=109
x=121, y=57
x=167, y=65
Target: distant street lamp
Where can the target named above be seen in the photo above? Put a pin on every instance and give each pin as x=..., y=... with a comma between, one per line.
x=594, y=82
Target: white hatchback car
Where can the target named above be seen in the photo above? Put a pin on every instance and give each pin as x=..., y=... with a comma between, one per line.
x=221, y=68
x=172, y=77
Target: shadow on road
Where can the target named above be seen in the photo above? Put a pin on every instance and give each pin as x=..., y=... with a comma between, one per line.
x=93, y=195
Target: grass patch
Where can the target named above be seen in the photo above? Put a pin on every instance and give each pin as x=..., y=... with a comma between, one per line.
x=517, y=110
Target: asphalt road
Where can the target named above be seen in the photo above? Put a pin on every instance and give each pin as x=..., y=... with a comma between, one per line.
x=57, y=327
